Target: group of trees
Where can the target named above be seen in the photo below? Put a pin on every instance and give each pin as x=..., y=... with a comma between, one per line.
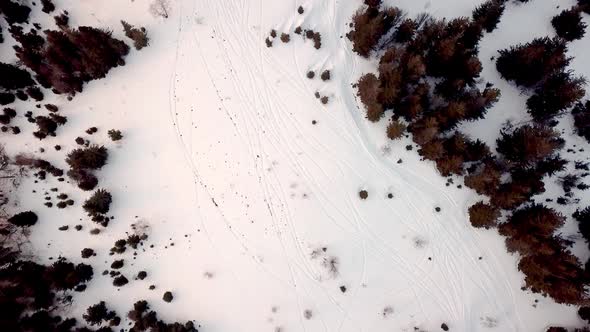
x=540, y=65
x=83, y=162
x=424, y=50
x=65, y=59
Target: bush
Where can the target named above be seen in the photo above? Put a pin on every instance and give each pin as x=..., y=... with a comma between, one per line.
x=13, y=78
x=168, y=297
x=45, y=127
x=488, y=14
x=120, y=281
x=363, y=194
x=483, y=215
x=528, y=64
x=85, y=179
x=569, y=25
x=325, y=75
x=115, y=135
x=48, y=6
x=528, y=144
x=93, y=157
x=14, y=12
x=581, y=113
x=24, y=219
x=98, y=313
x=584, y=313
x=368, y=91
x=583, y=219
x=98, y=203
x=139, y=36
x=395, y=129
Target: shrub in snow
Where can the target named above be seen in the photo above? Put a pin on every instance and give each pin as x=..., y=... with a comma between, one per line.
x=93, y=157
x=115, y=135
x=583, y=219
x=35, y=93
x=6, y=98
x=285, y=38
x=584, y=313
x=325, y=75
x=395, y=129
x=168, y=297
x=139, y=36
x=483, y=215
x=569, y=25
x=48, y=6
x=87, y=253
x=120, y=281
x=98, y=203
x=85, y=179
x=24, y=219
x=13, y=78
x=581, y=113
x=62, y=20
x=530, y=63
x=45, y=127
x=363, y=194
x=488, y=14
x=98, y=313
x=14, y=12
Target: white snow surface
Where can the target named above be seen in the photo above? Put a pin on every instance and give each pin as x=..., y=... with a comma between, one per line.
x=220, y=158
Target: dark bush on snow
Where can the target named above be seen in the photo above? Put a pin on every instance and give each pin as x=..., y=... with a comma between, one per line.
x=528, y=144
x=48, y=6
x=530, y=63
x=146, y=320
x=584, y=313
x=583, y=219
x=569, y=25
x=395, y=129
x=139, y=36
x=85, y=179
x=35, y=93
x=98, y=313
x=93, y=157
x=483, y=215
x=98, y=203
x=13, y=78
x=66, y=59
x=6, y=98
x=14, y=12
x=45, y=127
x=369, y=90
x=488, y=14
x=581, y=113
x=23, y=219
x=557, y=93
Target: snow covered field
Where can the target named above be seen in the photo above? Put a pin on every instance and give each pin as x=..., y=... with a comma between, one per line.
x=249, y=185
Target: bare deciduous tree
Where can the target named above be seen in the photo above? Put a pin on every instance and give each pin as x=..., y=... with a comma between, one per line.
x=161, y=8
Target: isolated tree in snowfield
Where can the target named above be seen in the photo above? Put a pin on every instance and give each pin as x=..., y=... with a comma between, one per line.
x=569, y=25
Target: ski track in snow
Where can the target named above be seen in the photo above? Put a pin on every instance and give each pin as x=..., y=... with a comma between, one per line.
x=265, y=125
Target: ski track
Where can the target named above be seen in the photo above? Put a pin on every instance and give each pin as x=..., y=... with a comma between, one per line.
x=265, y=126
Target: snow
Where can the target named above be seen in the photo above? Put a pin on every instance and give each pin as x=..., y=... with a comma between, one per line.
x=220, y=157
